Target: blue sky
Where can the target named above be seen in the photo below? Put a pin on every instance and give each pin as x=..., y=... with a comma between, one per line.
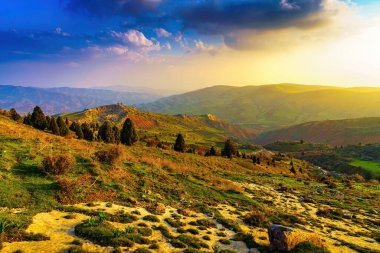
x=67, y=42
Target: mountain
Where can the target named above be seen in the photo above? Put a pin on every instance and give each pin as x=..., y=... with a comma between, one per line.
x=334, y=132
x=197, y=129
x=64, y=99
x=269, y=107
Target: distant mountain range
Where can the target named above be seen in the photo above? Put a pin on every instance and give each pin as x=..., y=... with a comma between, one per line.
x=64, y=99
x=334, y=132
x=270, y=107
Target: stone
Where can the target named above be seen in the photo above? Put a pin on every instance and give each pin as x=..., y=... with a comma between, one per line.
x=285, y=239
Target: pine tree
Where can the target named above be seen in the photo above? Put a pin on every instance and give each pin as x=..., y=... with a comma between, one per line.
x=179, y=145
x=229, y=149
x=67, y=122
x=13, y=114
x=63, y=129
x=48, y=119
x=254, y=159
x=54, y=127
x=88, y=134
x=128, y=133
x=211, y=152
x=27, y=119
x=117, y=134
x=106, y=132
x=75, y=127
x=38, y=119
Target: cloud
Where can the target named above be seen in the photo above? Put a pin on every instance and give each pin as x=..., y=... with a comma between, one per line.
x=161, y=32
x=201, y=47
x=137, y=40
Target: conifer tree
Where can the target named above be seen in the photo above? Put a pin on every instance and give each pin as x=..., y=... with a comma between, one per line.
x=54, y=127
x=75, y=127
x=38, y=119
x=179, y=145
x=88, y=134
x=48, y=119
x=117, y=134
x=106, y=132
x=27, y=119
x=229, y=149
x=212, y=151
x=63, y=129
x=13, y=114
x=128, y=133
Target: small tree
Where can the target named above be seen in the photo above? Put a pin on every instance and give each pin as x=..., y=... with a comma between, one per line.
x=106, y=132
x=88, y=134
x=27, y=119
x=211, y=152
x=229, y=149
x=38, y=119
x=75, y=127
x=54, y=127
x=179, y=145
x=13, y=114
x=116, y=133
x=128, y=133
x=63, y=129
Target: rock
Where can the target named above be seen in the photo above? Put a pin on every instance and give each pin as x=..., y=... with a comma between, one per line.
x=285, y=239
x=253, y=251
x=348, y=216
x=283, y=189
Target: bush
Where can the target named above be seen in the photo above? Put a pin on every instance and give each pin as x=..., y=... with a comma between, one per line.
x=110, y=155
x=151, y=218
x=58, y=164
x=256, y=218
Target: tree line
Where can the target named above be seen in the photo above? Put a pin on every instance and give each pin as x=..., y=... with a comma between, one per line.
x=108, y=132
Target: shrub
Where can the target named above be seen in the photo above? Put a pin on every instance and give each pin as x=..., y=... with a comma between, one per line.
x=225, y=241
x=58, y=164
x=110, y=155
x=142, y=250
x=308, y=247
x=151, y=218
x=256, y=218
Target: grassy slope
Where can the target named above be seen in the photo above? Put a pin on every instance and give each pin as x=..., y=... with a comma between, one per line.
x=274, y=106
x=371, y=166
x=334, y=132
x=203, y=129
x=147, y=174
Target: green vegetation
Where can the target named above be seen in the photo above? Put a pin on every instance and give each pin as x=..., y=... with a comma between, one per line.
x=370, y=166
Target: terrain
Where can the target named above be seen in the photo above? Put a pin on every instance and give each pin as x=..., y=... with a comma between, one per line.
x=333, y=132
x=203, y=129
x=270, y=107
x=217, y=203
x=64, y=99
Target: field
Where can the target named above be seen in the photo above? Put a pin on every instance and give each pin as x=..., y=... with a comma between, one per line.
x=373, y=167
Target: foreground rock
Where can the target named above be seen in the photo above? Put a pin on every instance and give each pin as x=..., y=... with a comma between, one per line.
x=285, y=239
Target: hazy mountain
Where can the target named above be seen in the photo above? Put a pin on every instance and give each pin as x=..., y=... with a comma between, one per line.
x=274, y=106
x=335, y=132
x=64, y=99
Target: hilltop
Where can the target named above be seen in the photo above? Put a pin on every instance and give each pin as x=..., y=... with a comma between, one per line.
x=334, y=132
x=198, y=129
x=270, y=107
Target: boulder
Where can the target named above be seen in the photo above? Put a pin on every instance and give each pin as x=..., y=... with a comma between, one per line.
x=285, y=239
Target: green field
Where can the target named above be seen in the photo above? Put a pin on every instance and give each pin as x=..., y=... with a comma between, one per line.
x=373, y=167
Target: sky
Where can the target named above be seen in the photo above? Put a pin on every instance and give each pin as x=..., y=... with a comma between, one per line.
x=189, y=44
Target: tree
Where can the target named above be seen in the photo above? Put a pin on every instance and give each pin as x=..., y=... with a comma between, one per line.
x=13, y=114
x=48, y=119
x=179, y=145
x=88, y=134
x=128, y=133
x=117, y=134
x=63, y=129
x=27, y=119
x=211, y=152
x=38, y=119
x=106, y=132
x=229, y=149
x=54, y=127
x=254, y=159
x=75, y=127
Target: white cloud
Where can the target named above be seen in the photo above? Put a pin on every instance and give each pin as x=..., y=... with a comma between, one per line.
x=137, y=40
x=59, y=31
x=118, y=50
x=161, y=32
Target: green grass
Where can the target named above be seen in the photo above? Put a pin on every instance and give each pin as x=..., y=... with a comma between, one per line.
x=370, y=166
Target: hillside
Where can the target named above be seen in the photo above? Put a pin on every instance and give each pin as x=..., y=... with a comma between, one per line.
x=168, y=201
x=334, y=132
x=197, y=129
x=271, y=107
x=64, y=99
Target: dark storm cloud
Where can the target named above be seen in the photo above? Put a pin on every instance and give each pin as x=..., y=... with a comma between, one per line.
x=214, y=17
